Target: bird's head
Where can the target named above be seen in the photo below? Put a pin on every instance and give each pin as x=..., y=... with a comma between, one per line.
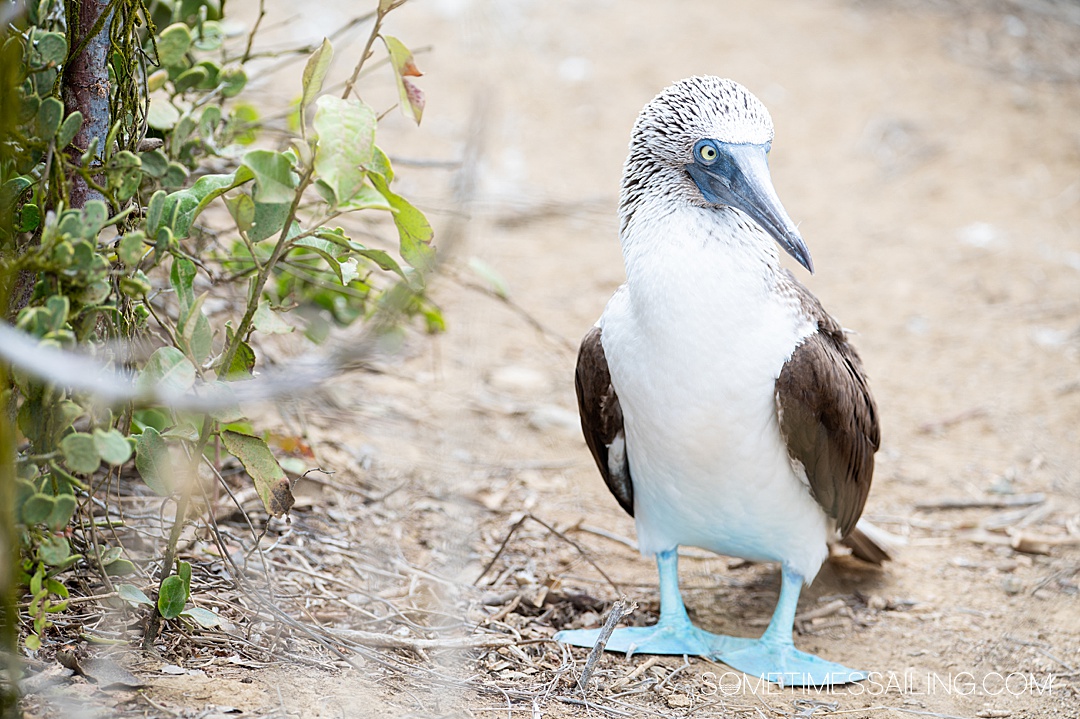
x=705, y=141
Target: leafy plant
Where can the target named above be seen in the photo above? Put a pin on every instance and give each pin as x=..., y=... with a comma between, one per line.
x=135, y=261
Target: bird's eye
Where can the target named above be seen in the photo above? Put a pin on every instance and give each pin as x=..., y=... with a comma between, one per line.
x=706, y=152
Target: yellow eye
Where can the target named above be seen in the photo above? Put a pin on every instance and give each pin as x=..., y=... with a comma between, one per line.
x=706, y=152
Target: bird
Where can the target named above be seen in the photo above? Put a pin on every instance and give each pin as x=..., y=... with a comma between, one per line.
x=724, y=407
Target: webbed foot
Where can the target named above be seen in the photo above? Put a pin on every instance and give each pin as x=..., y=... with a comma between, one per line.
x=783, y=664
x=662, y=638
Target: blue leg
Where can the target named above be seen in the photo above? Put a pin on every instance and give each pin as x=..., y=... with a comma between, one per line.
x=673, y=634
x=774, y=656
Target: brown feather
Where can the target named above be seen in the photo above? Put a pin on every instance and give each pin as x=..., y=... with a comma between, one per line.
x=828, y=417
x=602, y=418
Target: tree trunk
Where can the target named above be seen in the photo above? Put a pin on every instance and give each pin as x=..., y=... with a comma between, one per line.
x=86, y=86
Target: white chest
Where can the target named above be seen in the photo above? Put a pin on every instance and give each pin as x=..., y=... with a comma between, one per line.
x=695, y=341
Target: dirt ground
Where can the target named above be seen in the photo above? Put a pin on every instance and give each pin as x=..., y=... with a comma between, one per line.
x=930, y=152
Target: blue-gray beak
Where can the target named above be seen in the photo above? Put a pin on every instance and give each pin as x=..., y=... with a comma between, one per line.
x=738, y=176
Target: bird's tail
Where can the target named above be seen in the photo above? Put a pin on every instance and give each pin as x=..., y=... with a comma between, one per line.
x=871, y=544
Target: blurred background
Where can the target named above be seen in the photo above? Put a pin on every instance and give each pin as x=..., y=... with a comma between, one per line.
x=930, y=153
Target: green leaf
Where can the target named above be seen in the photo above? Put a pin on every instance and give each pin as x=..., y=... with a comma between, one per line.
x=54, y=550
x=151, y=417
x=346, y=132
x=326, y=250
x=63, y=508
x=131, y=248
x=233, y=81
x=315, y=72
x=154, y=163
x=80, y=453
x=382, y=259
x=268, y=321
x=210, y=36
x=184, y=206
x=24, y=488
x=12, y=190
x=50, y=112
x=69, y=129
x=173, y=43
x=190, y=79
x=203, y=617
x=94, y=215
x=411, y=99
x=56, y=587
x=155, y=212
x=213, y=75
x=94, y=293
x=153, y=462
x=56, y=310
x=183, y=570
x=124, y=172
x=37, y=508
x=112, y=446
x=413, y=228
x=167, y=371
x=32, y=642
x=270, y=481
x=268, y=219
x=172, y=597
x=182, y=279
x=368, y=198
x=243, y=362
x=133, y=595
x=120, y=568
x=157, y=80
x=161, y=114
x=175, y=176
x=110, y=555
x=211, y=116
x=242, y=209
x=52, y=46
x=195, y=332
x=275, y=181
x=135, y=286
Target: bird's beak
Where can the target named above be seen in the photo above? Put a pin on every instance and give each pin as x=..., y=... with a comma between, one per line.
x=740, y=178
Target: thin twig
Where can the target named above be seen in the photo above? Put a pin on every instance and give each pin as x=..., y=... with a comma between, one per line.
x=619, y=609
x=557, y=533
x=1003, y=502
x=254, y=30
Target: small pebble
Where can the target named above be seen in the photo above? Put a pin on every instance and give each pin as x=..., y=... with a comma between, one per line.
x=678, y=701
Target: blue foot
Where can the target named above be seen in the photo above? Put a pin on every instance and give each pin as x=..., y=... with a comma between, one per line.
x=774, y=656
x=783, y=664
x=669, y=638
x=673, y=634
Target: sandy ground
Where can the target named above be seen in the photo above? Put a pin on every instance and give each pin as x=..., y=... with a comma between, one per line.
x=931, y=157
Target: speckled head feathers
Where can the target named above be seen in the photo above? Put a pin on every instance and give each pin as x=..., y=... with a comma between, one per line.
x=700, y=107
x=664, y=134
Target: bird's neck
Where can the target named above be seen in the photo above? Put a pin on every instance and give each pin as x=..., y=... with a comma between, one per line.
x=707, y=244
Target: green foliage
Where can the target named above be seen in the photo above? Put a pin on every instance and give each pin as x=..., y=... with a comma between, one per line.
x=133, y=261
x=42, y=588
x=172, y=596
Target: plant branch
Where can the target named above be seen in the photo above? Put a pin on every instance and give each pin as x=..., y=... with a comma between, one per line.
x=379, y=15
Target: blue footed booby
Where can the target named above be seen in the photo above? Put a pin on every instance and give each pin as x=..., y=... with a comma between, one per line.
x=725, y=409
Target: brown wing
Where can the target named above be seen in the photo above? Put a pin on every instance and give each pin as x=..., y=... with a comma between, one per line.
x=602, y=419
x=828, y=417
